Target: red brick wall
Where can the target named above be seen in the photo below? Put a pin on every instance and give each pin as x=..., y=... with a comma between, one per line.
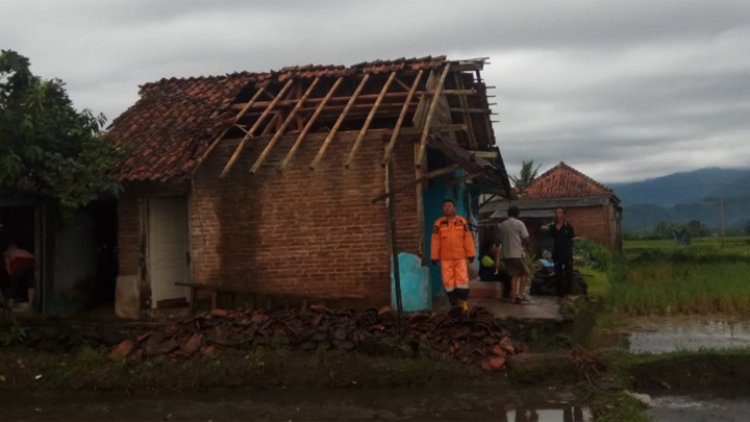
x=592, y=223
x=301, y=232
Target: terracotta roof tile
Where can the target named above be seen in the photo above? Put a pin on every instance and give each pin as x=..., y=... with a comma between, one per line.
x=563, y=181
x=176, y=119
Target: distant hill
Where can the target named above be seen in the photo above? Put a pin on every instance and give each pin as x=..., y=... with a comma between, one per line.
x=681, y=197
x=686, y=187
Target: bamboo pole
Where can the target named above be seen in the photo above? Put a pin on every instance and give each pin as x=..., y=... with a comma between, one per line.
x=280, y=131
x=368, y=121
x=430, y=113
x=255, y=126
x=339, y=121
x=400, y=121
x=309, y=124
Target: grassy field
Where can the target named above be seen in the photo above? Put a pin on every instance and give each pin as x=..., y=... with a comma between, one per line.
x=659, y=277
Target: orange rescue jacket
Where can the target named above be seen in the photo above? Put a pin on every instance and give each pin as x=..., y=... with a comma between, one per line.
x=452, y=239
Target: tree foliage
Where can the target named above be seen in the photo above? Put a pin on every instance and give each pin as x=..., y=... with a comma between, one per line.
x=47, y=147
x=527, y=175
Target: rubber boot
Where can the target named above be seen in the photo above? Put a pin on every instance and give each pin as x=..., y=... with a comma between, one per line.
x=464, y=304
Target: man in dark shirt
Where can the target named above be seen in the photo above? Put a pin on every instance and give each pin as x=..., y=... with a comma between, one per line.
x=563, y=236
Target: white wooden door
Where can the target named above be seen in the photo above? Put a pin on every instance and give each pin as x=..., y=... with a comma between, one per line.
x=167, y=248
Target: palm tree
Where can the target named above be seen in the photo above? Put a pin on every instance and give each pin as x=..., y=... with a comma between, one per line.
x=527, y=175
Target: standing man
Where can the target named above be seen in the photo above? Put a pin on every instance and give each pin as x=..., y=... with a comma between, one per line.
x=514, y=237
x=563, y=236
x=453, y=246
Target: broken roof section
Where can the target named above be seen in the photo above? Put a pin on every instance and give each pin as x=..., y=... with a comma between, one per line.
x=433, y=101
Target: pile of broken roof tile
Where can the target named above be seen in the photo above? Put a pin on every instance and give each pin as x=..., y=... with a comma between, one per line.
x=475, y=337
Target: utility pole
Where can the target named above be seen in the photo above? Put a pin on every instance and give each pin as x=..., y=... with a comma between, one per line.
x=721, y=205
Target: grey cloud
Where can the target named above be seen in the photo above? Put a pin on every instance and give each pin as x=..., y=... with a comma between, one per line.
x=621, y=90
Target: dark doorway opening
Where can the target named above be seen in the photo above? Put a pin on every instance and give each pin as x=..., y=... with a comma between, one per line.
x=19, y=229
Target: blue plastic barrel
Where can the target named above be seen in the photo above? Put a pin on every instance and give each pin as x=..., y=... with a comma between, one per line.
x=416, y=293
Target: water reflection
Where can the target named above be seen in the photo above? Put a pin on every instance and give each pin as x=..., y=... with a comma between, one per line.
x=569, y=413
x=681, y=334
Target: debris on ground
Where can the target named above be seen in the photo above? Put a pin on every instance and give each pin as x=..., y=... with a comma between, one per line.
x=587, y=365
x=475, y=337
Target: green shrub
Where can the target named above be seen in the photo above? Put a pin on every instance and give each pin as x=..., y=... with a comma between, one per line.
x=592, y=254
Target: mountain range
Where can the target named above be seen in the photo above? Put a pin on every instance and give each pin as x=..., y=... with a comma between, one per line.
x=682, y=197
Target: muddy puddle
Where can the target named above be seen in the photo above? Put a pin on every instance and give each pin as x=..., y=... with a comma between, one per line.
x=661, y=335
x=475, y=403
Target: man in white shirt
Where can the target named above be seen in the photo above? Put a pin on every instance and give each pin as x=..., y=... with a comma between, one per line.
x=514, y=237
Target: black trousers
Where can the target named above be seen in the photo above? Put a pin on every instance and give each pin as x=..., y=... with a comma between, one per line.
x=564, y=276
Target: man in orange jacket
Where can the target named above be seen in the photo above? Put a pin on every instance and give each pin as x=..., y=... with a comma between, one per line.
x=452, y=246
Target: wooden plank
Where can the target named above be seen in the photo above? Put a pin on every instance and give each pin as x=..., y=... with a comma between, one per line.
x=400, y=121
x=339, y=121
x=484, y=154
x=237, y=117
x=431, y=175
x=309, y=124
x=430, y=113
x=255, y=126
x=470, y=110
x=466, y=115
x=280, y=131
x=368, y=121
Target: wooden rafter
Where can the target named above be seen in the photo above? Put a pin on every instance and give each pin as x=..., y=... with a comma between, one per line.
x=430, y=113
x=466, y=115
x=282, y=128
x=368, y=121
x=255, y=127
x=237, y=117
x=310, y=123
x=339, y=121
x=400, y=121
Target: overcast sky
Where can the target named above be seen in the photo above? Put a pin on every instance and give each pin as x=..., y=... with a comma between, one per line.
x=620, y=90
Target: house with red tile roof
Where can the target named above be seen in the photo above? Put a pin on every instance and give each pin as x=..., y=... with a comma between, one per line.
x=592, y=208
x=276, y=185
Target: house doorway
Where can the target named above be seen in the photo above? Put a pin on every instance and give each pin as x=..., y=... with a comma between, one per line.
x=168, y=251
x=17, y=227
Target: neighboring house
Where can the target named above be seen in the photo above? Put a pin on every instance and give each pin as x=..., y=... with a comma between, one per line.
x=272, y=183
x=592, y=208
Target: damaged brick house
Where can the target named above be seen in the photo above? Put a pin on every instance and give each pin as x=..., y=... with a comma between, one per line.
x=592, y=208
x=273, y=183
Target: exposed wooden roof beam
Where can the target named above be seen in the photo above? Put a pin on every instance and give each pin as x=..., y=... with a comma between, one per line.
x=237, y=117
x=280, y=130
x=338, y=123
x=401, y=117
x=390, y=95
x=309, y=124
x=255, y=127
x=368, y=121
x=430, y=114
x=466, y=115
